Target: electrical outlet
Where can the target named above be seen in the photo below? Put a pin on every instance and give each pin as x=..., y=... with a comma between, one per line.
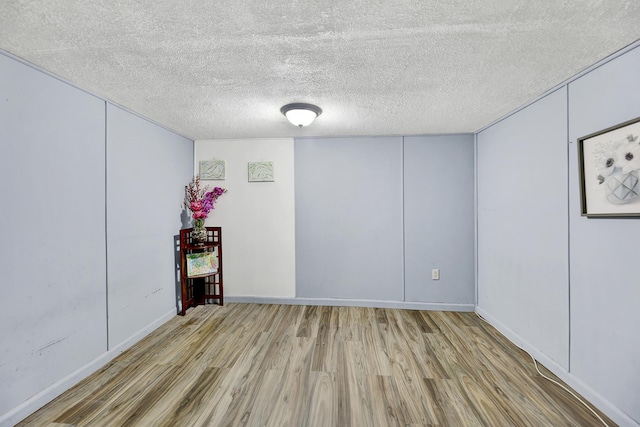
x=435, y=274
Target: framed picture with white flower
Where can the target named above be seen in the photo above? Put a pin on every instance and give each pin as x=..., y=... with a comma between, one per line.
x=609, y=163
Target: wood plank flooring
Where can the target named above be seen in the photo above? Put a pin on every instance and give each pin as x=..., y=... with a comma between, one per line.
x=287, y=365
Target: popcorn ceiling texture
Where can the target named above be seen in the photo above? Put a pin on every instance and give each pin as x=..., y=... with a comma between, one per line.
x=222, y=69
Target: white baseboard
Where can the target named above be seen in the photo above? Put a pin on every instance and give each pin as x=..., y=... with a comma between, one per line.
x=133, y=339
x=612, y=411
x=40, y=399
x=337, y=302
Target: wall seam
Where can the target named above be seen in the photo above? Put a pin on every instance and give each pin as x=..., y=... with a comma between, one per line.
x=568, y=145
x=106, y=224
x=475, y=216
x=404, y=251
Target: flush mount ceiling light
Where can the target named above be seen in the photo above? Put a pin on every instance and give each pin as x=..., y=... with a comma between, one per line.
x=300, y=114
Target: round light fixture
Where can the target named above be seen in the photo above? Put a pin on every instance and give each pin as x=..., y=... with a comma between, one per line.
x=300, y=114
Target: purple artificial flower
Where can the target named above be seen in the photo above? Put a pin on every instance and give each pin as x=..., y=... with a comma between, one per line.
x=199, y=200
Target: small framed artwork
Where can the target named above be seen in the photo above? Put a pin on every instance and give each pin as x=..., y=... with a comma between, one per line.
x=201, y=264
x=261, y=172
x=212, y=169
x=609, y=162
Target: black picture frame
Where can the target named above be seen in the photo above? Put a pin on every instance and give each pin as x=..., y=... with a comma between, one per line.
x=609, y=162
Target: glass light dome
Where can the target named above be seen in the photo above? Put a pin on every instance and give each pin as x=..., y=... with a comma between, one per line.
x=301, y=114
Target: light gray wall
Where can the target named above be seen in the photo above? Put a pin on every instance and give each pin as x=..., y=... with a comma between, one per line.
x=375, y=215
x=531, y=238
x=522, y=225
x=52, y=178
x=605, y=256
x=349, y=218
x=439, y=218
x=147, y=169
x=58, y=324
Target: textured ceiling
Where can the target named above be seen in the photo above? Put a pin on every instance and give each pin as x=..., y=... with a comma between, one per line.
x=223, y=68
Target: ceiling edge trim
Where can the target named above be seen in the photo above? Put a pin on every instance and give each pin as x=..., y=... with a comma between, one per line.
x=609, y=58
x=102, y=98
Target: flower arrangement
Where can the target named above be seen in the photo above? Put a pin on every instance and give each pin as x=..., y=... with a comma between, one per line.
x=200, y=202
x=618, y=166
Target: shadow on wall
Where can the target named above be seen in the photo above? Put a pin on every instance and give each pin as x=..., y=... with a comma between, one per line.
x=185, y=220
x=178, y=289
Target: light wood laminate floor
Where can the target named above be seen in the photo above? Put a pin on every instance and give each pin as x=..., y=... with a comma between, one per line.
x=287, y=365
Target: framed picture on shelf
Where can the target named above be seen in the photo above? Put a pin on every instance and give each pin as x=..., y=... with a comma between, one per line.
x=609, y=162
x=201, y=264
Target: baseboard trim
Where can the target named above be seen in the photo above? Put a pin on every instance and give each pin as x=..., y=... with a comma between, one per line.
x=337, y=302
x=612, y=411
x=133, y=339
x=40, y=399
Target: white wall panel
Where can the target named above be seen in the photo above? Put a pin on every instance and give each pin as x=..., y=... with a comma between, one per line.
x=257, y=218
